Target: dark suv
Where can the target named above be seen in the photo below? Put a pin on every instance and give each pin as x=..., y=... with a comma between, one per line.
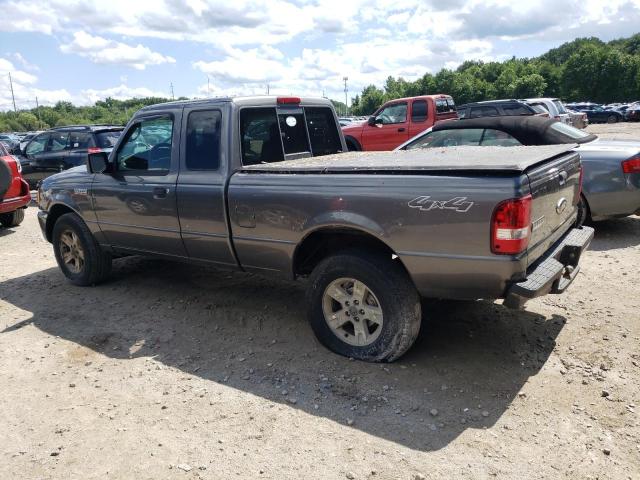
x=495, y=108
x=61, y=148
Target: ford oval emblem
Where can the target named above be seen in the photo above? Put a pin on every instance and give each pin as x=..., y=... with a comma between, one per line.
x=561, y=205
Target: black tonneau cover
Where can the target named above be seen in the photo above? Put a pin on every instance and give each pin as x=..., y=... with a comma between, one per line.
x=505, y=159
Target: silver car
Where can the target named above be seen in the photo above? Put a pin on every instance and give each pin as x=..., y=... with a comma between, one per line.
x=611, y=183
x=554, y=106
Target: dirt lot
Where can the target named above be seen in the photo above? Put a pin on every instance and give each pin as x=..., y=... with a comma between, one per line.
x=181, y=372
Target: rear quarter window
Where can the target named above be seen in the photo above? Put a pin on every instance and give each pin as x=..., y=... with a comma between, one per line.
x=477, y=112
x=323, y=131
x=78, y=140
x=108, y=139
x=419, y=111
x=516, y=110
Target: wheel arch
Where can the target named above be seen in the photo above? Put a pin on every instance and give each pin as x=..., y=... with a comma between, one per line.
x=55, y=212
x=323, y=241
x=351, y=141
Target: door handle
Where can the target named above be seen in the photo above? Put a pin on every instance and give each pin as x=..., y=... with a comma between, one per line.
x=160, y=192
x=401, y=129
x=563, y=177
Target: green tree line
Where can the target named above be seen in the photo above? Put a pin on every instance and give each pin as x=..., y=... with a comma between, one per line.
x=108, y=111
x=586, y=69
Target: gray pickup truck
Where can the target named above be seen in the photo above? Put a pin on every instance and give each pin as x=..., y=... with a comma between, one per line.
x=260, y=184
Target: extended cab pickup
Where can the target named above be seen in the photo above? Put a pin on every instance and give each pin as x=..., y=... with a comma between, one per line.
x=397, y=121
x=245, y=183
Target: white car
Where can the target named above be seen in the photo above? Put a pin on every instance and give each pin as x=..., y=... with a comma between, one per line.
x=555, y=108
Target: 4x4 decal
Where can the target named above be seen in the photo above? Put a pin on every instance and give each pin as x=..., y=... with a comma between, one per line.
x=424, y=203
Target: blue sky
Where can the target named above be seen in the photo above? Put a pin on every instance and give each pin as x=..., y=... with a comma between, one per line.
x=86, y=50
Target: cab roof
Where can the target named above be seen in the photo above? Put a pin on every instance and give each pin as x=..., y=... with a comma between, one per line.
x=253, y=100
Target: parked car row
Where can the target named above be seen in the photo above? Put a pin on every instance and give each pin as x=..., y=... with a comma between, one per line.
x=61, y=148
x=597, y=113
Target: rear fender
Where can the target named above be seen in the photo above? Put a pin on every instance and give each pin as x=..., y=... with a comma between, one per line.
x=344, y=219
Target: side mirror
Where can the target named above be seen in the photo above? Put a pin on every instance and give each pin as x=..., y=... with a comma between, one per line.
x=97, y=162
x=371, y=121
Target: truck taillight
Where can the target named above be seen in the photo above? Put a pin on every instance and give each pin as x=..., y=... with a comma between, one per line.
x=632, y=165
x=511, y=226
x=288, y=100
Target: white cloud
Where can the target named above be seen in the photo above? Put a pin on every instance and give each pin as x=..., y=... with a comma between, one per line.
x=120, y=92
x=314, y=71
x=104, y=51
x=24, y=89
x=23, y=61
x=305, y=46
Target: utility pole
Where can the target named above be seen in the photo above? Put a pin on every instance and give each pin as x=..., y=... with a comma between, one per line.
x=38, y=112
x=208, y=89
x=171, y=86
x=267, y=89
x=346, y=108
x=12, y=95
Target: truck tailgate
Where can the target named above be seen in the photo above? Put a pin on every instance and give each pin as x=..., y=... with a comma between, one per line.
x=555, y=191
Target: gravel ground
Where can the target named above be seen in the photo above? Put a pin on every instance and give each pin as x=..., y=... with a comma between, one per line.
x=182, y=372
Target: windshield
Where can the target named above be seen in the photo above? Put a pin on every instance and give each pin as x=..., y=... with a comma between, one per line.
x=572, y=132
x=559, y=106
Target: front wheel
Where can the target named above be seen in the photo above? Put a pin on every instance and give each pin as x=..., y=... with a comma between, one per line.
x=12, y=219
x=78, y=254
x=364, y=306
x=612, y=119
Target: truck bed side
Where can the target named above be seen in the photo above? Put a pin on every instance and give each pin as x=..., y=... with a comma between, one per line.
x=439, y=225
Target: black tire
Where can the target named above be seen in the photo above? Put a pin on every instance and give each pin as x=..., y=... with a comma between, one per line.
x=388, y=281
x=352, y=144
x=12, y=219
x=583, y=212
x=5, y=178
x=612, y=119
x=97, y=263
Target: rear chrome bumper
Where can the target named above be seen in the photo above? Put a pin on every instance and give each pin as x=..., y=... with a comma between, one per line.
x=554, y=272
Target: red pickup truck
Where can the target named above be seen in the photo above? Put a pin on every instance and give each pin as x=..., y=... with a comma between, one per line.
x=14, y=191
x=397, y=121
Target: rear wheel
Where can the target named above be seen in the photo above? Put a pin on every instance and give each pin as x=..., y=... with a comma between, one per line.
x=78, y=255
x=364, y=306
x=612, y=119
x=583, y=212
x=12, y=219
